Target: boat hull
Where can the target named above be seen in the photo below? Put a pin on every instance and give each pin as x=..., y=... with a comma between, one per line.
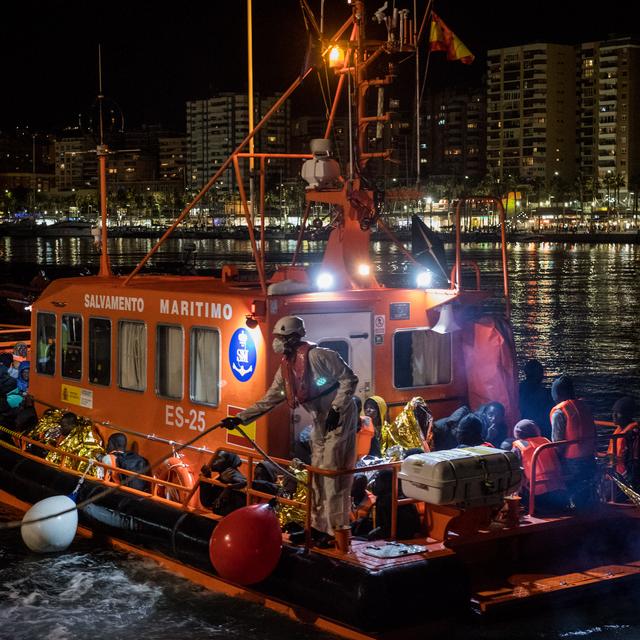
x=347, y=593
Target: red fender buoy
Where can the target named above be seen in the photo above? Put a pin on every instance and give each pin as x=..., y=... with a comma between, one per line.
x=245, y=546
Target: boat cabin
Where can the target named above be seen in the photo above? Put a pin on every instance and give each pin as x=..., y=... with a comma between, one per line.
x=168, y=356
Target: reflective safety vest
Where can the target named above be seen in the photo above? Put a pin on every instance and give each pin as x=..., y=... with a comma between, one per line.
x=364, y=436
x=617, y=450
x=548, y=468
x=580, y=426
x=363, y=509
x=297, y=377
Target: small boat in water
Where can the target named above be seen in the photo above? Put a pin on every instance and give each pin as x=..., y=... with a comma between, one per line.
x=163, y=358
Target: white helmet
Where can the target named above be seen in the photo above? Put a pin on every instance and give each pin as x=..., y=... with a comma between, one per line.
x=289, y=325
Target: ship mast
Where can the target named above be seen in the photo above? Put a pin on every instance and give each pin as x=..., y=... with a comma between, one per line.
x=101, y=152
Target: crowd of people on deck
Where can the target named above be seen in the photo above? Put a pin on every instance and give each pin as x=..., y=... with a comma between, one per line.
x=347, y=433
x=15, y=404
x=566, y=477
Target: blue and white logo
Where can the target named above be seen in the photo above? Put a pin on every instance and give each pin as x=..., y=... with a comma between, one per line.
x=242, y=355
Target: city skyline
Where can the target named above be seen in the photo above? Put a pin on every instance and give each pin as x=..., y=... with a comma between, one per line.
x=154, y=62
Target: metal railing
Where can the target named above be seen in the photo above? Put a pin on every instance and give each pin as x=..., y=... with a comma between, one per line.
x=70, y=463
x=611, y=460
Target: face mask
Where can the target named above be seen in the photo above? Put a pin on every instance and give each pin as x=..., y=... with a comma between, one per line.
x=278, y=345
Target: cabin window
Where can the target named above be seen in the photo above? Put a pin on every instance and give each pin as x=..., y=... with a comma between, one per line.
x=169, y=349
x=46, y=349
x=100, y=351
x=205, y=366
x=71, y=346
x=421, y=358
x=132, y=355
x=341, y=346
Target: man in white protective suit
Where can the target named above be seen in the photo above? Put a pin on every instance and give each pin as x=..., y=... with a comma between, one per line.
x=320, y=381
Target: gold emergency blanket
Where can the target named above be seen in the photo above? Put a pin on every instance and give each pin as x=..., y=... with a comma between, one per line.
x=48, y=428
x=288, y=513
x=405, y=430
x=82, y=441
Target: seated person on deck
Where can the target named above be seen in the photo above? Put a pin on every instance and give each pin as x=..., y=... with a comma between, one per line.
x=469, y=432
x=550, y=489
x=494, y=426
x=376, y=408
x=625, y=451
x=444, y=430
x=410, y=429
x=118, y=456
x=408, y=520
x=223, y=501
x=52, y=429
x=366, y=441
x=7, y=382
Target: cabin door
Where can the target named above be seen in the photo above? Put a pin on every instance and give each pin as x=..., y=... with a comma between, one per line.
x=350, y=335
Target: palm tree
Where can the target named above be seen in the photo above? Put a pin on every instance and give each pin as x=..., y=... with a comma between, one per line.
x=618, y=183
x=634, y=186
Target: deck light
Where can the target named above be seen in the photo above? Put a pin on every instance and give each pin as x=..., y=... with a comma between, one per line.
x=324, y=281
x=336, y=57
x=423, y=279
x=364, y=270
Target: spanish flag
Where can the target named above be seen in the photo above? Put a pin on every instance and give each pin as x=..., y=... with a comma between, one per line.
x=441, y=38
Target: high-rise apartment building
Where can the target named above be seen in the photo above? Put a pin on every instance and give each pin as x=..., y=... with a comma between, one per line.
x=76, y=166
x=172, y=157
x=454, y=133
x=609, y=132
x=531, y=113
x=217, y=125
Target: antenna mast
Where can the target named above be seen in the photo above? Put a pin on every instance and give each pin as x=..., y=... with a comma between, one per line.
x=101, y=153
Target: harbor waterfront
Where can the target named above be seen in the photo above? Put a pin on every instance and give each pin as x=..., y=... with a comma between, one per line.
x=573, y=308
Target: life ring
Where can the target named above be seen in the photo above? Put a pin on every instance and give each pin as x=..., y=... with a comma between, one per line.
x=177, y=471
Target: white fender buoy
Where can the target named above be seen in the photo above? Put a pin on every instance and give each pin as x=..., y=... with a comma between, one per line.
x=51, y=533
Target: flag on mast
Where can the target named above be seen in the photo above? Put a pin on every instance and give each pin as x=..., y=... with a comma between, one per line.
x=441, y=38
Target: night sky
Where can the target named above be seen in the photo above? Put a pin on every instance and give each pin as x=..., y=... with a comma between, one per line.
x=156, y=58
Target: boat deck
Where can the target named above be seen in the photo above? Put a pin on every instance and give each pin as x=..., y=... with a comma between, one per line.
x=496, y=589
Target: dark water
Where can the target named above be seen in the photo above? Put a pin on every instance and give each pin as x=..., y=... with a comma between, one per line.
x=575, y=308
x=90, y=592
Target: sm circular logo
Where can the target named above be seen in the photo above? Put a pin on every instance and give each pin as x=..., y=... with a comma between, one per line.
x=242, y=355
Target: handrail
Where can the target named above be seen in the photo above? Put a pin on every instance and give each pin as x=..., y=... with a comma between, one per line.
x=557, y=444
x=474, y=265
x=503, y=243
x=249, y=458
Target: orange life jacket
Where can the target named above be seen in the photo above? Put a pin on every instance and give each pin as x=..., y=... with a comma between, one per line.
x=619, y=445
x=296, y=374
x=580, y=426
x=364, y=436
x=114, y=475
x=362, y=510
x=548, y=468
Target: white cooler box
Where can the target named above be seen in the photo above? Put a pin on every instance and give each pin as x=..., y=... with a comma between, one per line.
x=470, y=477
